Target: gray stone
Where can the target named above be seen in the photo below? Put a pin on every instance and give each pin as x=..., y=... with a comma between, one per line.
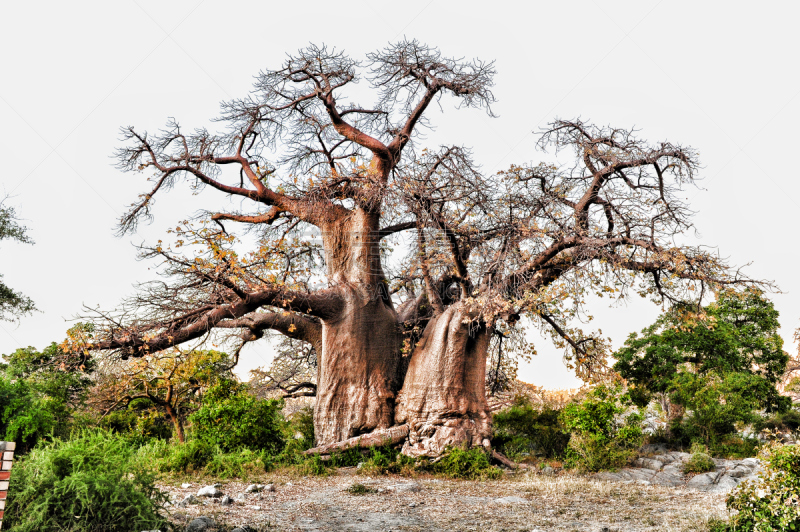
x=648, y=463
x=739, y=471
x=189, y=499
x=752, y=463
x=226, y=501
x=253, y=488
x=547, y=470
x=701, y=481
x=186, y=485
x=210, y=491
x=405, y=487
x=201, y=524
x=511, y=500
x=240, y=497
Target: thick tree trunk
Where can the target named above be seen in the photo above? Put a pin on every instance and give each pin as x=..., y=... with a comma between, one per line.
x=443, y=399
x=357, y=380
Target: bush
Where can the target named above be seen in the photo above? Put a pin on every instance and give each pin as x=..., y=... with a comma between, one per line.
x=469, y=464
x=601, y=437
x=735, y=447
x=187, y=457
x=243, y=464
x=233, y=419
x=27, y=416
x=524, y=430
x=92, y=483
x=139, y=422
x=771, y=503
x=717, y=403
x=700, y=461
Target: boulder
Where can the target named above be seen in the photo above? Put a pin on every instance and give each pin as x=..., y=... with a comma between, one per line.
x=210, y=491
x=201, y=524
x=189, y=499
x=404, y=487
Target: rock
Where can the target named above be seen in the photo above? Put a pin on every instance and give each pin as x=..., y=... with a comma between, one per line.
x=405, y=487
x=201, y=524
x=240, y=497
x=269, y=487
x=253, y=488
x=648, y=463
x=189, y=499
x=412, y=505
x=511, y=500
x=653, y=448
x=701, y=481
x=752, y=463
x=186, y=485
x=359, y=466
x=739, y=471
x=210, y=491
x=547, y=470
x=226, y=501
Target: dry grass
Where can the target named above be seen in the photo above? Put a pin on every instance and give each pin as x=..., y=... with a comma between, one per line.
x=562, y=502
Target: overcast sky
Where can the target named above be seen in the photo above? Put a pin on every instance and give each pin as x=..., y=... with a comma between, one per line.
x=721, y=77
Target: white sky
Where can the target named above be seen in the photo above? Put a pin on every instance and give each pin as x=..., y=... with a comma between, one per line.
x=721, y=77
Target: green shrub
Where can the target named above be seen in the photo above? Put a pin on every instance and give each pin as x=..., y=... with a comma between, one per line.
x=313, y=465
x=469, y=464
x=92, y=483
x=524, y=430
x=139, y=423
x=187, y=457
x=788, y=421
x=602, y=436
x=360, y=489
x=242, y=464
x=298, y=432
x=717, y=403
x=735, y=447
x=771, y=503
x=232, y=419
x=27, y=416
x=700, y=461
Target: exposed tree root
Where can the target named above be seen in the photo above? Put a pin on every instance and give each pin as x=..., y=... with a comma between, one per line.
x=390, y=436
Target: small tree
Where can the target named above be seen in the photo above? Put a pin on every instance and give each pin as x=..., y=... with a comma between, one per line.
x=171, y=380
x=12, y=303
x=722, y=361
x=40, y=392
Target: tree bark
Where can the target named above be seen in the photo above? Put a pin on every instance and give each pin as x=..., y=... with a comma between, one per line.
x=359, y=360
x=176, y=422
x=443, y=399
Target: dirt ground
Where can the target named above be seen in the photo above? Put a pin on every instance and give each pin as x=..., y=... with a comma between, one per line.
x=558, y=502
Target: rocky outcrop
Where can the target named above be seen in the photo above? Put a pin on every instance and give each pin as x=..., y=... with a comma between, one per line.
x=665, y=468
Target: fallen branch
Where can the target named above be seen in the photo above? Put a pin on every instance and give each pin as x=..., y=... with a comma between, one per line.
x=388, y=436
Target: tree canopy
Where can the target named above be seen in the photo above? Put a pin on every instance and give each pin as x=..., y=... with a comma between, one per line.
x=738, y=333
x=13, y=304
x=330, y=189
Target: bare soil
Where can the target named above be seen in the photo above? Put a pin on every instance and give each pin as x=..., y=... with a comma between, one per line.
x=559, y=502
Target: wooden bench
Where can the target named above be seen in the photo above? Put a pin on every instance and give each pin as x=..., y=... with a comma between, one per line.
x=7, y=450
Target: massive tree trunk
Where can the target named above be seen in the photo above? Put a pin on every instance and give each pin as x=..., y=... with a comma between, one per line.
x=357, y=369
x=358, y=365
x=443, y=399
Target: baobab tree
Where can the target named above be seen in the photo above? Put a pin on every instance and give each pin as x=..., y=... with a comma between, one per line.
x=401, y=331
